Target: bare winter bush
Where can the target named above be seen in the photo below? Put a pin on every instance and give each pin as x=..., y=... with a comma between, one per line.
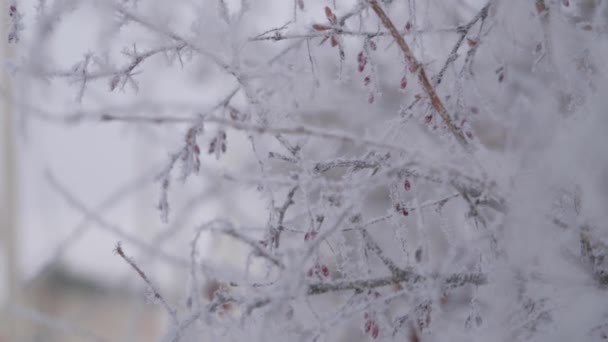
x=393, y=170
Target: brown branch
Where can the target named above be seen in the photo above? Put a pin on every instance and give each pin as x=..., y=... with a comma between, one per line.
x=422, y=77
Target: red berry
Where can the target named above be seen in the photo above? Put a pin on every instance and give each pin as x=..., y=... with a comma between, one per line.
x=406, y=185
x=362, y=61
x=325, y=271
x=403, y=82
x=310, y=235
x=375, y=331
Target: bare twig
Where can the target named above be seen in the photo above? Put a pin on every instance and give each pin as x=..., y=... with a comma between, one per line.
x=157, y=295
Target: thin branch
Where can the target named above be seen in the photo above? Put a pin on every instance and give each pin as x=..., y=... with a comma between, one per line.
x=341, y=21
x=463, y=31
x=337, y=31
x=292, y=149
x=170, y=34
x=281, y=211
x=229, y=230
x=282, y=157
x=157, y=295
x=298, y=130
x=127, y=69
x=371, y=222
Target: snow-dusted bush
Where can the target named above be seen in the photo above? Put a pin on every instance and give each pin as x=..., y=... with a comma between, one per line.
x=410, y=170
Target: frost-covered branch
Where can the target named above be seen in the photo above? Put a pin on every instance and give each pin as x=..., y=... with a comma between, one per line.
x=409, y=277
x=155, y=291
x=418, y=69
